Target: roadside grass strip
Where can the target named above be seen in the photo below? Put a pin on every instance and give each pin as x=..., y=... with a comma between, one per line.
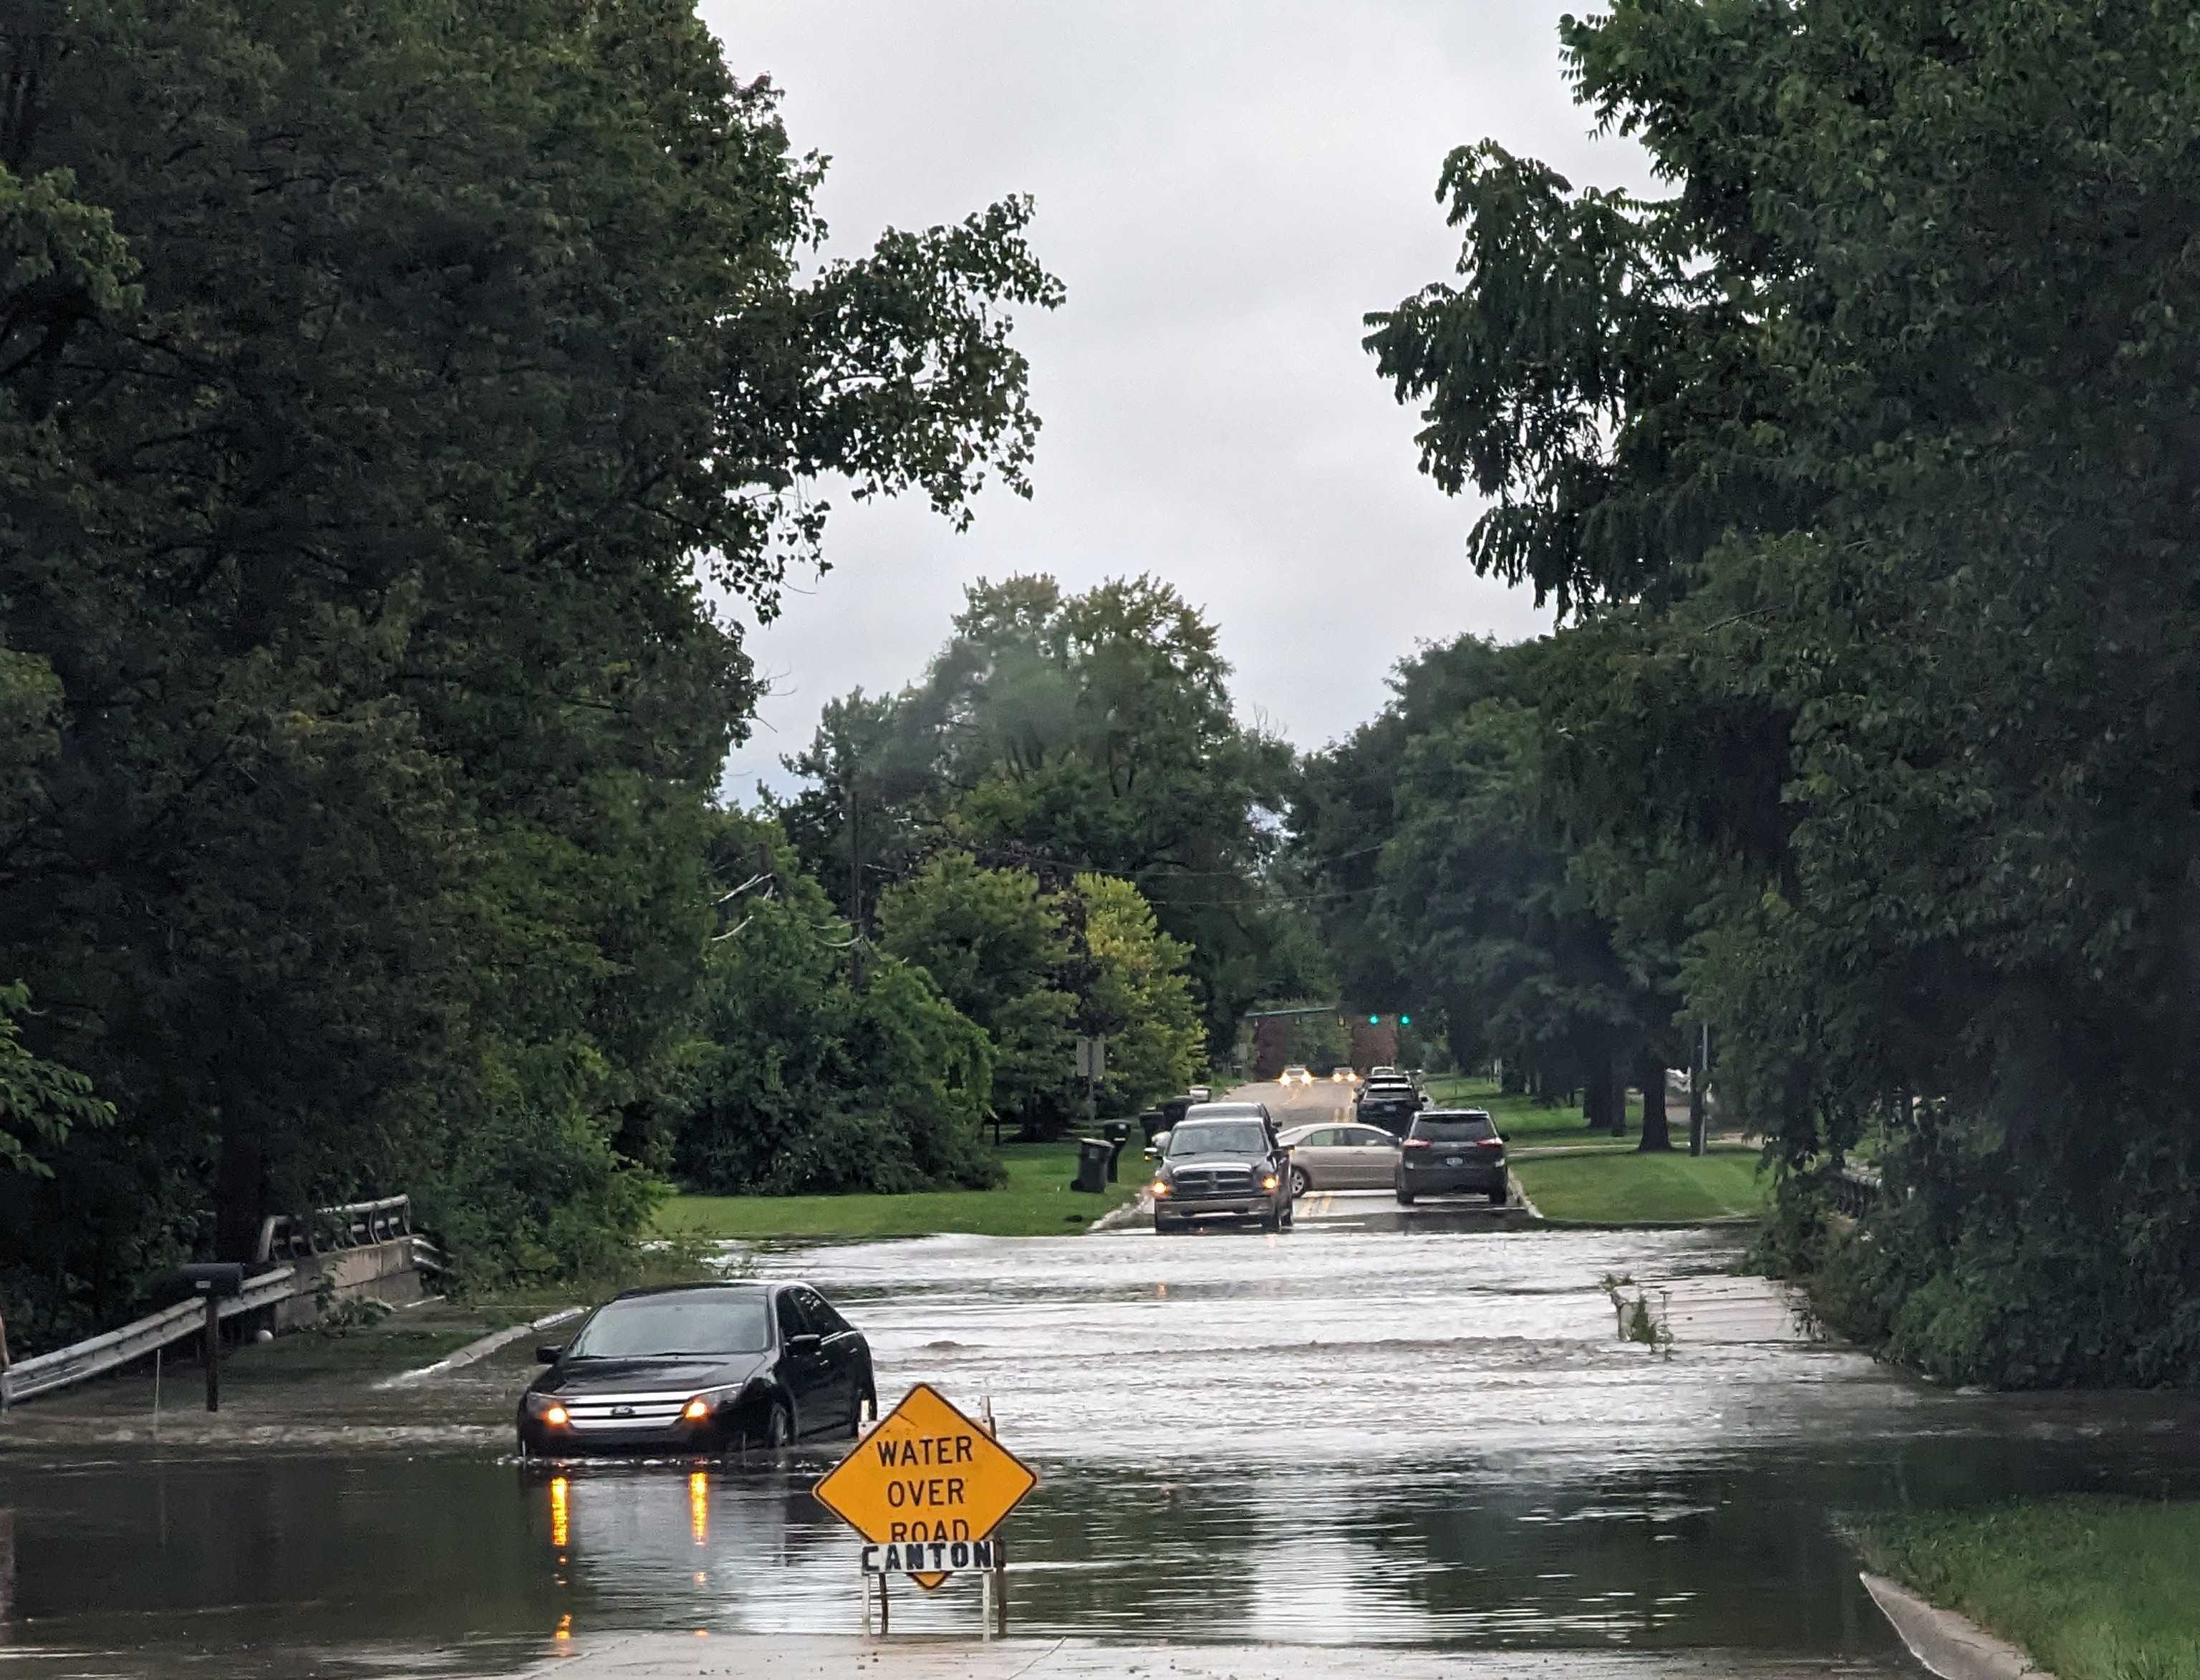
x=2093, y=1587
x=1036, y=1200
x=1522, y=1120
x=1620, y=1187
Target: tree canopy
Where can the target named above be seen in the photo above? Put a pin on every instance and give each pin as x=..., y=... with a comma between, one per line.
x=380, y=387
x=1858, y=458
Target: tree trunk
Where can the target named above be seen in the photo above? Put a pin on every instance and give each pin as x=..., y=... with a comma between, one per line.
x=1618, y=1111
x=1657, y=1132
x=1699, y=1071
x=240, y=1193
x=1596, y=1103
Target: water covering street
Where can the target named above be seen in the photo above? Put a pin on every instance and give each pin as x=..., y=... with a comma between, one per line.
x=1358, y=1433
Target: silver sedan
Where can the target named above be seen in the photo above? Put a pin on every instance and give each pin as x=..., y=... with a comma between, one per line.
x=1331, y=1157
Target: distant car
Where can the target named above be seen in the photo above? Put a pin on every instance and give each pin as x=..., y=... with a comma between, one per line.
x=1449, y=1152
x=699, y=1369
x=1343, y=1076
x=1341, y=1157
x=1389, y=1104
x=1223, y=1160
x=1384, y=1073
x=1295, y=1075
x=1199, y=1094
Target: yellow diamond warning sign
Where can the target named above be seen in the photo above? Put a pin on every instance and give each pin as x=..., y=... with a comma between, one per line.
x=925, y=1477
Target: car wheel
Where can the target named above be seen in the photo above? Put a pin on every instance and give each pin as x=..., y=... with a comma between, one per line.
x=1405, y=1197
x=778, y=1431
x=1166, y=1227
x=1498, y=1196
x=1290, y=1215
x=1300, y=1182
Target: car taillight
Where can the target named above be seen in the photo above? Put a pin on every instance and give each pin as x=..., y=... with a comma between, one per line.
x=1419, y=1143
x=1492, y=1143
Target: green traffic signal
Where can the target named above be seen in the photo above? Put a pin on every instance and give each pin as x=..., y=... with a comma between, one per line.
x=1405, y=1021
x=1374, y=1021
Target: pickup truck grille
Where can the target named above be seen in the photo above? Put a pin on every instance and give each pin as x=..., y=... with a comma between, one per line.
x=1214, y=1180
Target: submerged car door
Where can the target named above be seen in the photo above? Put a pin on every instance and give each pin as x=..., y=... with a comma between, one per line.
x=1373, y=1155
x=808, y=1367
x=843, y=1348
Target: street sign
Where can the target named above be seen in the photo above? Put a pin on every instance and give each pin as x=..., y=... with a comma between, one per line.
x=1092, y=1058
x=925, y=1477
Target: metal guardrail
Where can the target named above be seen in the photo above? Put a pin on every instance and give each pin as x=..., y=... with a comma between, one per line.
x=354, y=1225
x=1856, y=1191
x=117, y=1347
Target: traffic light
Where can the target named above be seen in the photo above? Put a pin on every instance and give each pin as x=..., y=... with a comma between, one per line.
x=1405, y=1021
x=1374, y=1021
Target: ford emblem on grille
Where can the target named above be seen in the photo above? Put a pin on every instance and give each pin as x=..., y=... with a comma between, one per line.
x=622, y=1411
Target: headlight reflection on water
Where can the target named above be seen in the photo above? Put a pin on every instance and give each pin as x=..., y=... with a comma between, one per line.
x=698, y=1508
x=561, y=1512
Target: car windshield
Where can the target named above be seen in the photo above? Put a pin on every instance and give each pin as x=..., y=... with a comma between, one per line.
x=1463, y=1129
x=1219, y=1137
x=657, y=1325
x=1389, y=1093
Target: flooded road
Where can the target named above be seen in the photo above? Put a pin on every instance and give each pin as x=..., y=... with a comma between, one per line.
x=1353, y=1434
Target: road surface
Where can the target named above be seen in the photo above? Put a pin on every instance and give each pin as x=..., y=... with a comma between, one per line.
x=1359, y=1448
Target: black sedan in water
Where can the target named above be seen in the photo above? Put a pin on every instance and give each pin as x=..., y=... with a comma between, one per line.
x=701, y=1368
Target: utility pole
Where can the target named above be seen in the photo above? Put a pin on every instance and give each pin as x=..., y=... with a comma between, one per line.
x=855, y=874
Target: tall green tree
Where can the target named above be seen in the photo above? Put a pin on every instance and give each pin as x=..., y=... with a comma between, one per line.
x=383, y=389
x=1863, y=451
x=1136, y=993
x=995, y=946
x=1067, y=732
x=814, y=1074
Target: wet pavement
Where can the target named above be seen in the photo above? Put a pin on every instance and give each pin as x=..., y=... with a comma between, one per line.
x=1423, y=1443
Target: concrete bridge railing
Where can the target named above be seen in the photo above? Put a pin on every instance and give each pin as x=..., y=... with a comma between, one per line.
x=357, y=1250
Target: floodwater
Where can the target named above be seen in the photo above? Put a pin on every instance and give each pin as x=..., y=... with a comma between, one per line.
x=1362, y=1432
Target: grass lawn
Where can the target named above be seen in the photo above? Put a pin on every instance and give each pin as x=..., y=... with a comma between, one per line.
x=2093, y=1588
x=1035, y=1202
x=1618, y=1186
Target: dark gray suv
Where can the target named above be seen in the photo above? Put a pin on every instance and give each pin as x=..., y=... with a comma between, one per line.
x=1222, y=1160
x=1450, y=1151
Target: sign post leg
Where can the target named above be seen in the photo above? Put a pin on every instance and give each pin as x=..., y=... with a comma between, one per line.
x=866, y=1580
x=885, y=1610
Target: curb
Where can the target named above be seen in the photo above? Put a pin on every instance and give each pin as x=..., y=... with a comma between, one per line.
x=1953, y=1647
x=1135, y=1212
x=481, y=1348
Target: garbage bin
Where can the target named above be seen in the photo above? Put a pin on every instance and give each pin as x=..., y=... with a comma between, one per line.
x=1117, y=1132
x=1151, y=1123
x=1091, y=1165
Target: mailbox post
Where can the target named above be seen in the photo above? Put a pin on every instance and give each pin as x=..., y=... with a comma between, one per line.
x=215, y=1284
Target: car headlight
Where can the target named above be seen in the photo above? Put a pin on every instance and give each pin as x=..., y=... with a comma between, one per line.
x=549, y=1409
x=1269, y=1181
x=700, y=1408
x=1163, y=1187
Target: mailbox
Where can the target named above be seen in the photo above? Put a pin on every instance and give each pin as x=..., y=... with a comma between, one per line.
x=220, y=1280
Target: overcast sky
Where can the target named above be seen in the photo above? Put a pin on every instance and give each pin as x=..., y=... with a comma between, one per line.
x=1224, y=187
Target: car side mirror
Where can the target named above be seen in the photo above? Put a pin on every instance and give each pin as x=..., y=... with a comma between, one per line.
x=807, y=1342
x=549, y=1353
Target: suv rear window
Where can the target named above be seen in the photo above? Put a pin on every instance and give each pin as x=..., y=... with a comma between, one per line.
x=1455, y=1128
